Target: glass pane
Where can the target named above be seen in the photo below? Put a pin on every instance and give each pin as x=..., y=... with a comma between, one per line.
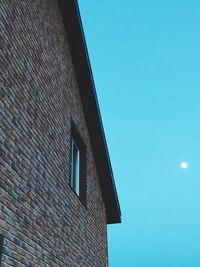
x=75, y=166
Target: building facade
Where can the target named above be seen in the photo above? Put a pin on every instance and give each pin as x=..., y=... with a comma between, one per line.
x=57, y=192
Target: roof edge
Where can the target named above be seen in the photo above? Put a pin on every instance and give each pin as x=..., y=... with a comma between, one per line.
x=80, y=58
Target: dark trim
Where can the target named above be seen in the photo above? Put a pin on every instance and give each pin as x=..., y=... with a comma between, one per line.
x=1, y=248
x=77, y=45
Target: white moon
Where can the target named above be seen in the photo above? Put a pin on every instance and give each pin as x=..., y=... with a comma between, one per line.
x=184, y=165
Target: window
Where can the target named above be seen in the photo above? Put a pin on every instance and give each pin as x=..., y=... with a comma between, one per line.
x=75, y=167
x=1, y=247
x=78, y=165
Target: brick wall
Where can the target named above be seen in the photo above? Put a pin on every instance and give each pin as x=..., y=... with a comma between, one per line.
x=42, y=221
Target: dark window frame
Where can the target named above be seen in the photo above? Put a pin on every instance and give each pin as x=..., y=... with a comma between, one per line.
x=79, y=142
x=1, y=248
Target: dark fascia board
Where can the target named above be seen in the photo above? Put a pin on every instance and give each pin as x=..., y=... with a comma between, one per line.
x=78, y=49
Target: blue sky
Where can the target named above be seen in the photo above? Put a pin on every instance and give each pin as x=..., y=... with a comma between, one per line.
x=145, y=57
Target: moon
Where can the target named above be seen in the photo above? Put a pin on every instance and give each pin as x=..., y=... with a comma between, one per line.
x=184, y=165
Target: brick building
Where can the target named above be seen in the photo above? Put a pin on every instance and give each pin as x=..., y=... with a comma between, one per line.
x=57, y=192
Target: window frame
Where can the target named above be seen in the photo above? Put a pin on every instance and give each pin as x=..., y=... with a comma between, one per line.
x=75, y=167
x=1, y=248
x=77, y=141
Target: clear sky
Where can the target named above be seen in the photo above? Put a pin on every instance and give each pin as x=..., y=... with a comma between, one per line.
x=145, y=57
